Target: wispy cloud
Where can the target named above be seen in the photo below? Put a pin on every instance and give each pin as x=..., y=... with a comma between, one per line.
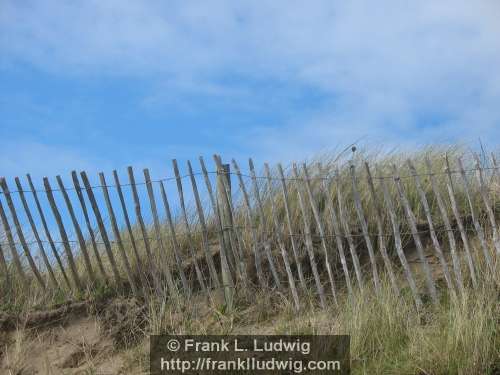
x=391, y=71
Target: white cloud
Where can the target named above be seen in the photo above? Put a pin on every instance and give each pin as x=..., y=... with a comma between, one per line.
x=388, y=65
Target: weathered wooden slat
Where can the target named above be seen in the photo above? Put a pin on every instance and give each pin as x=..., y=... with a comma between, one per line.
x=458, y=219
x=102, y=228
x=364, y=227
x=226, y=199
x=79, y=235
x=399, y=246
x=263, y=222
x=138, y=260
x=79, y=194
x=428, y=215
x=201, y=217
x=281, y=245
x=156, y=224
x=224, y=212
x=41, y=248
x=192, y=249
x=347, y=231
x=412, y=221
x=377, y=213
x=286, y=201
x=449, y=231
x=20, y=234
x=321, y=231
x=149, y=257
x=330, y=206
x=251, y=220
x=227, y=279
x=47, y=233
x=62, y=232
x=487, y=204
x=308, y=238
x=118, y=238
x=12, y=246
x=475, y=220
x=226, y=216
x=176, y=247
x=3, y=267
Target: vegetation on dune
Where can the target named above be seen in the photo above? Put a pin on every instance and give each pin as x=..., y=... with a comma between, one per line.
x=459, y=335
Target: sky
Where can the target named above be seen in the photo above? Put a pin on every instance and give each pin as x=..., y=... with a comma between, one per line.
x=100, y=85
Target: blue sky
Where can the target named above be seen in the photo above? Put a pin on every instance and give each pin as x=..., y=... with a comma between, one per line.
x=99, y=85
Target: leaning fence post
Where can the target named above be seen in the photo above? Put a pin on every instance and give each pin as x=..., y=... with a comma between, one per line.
x=381, y=235
x=416, y=237
x=435, y=241
x=397, y=240
x=253, y=230
x=35, y=233
x=157, y=229
x=62, y=231
x=263, y=223
x=102, y=228
x=347, y=230
x=118, y=237
x=138, y=214
x=308, y=238
x=297, y=259
x=321, y=231
x=487, y=204
x=12, y=246
x=79, y=194
x=449, y=231
x=326, y=184
x=76, y=226
x=176, y=247
x=281, y=245
x=47, y=232
x=3, y=266
x=140, y=267
x=20, y=234
x=477, y=225
x=458, y=219
x=364, y=227
x=201, y=216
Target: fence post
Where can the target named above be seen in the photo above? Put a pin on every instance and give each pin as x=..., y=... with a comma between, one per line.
x=307, y=183
x=381, y=236
x=35, y=233
x=79, y=193
x=227, y=203
x=64, y=236
x=308, y=239
x=298, y=260
x=347, y=231
x=364, y=227
x=428, y=215
x=227, y=279
x=397, y=240
x=201, y=216
x=281, y=245
x=253, y=230
x=458, y=219
x=47, y=232
x=223, y=173
x=12, y=246
x=449, y=231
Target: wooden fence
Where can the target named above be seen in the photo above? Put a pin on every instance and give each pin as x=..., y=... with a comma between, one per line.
x=324, y=228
